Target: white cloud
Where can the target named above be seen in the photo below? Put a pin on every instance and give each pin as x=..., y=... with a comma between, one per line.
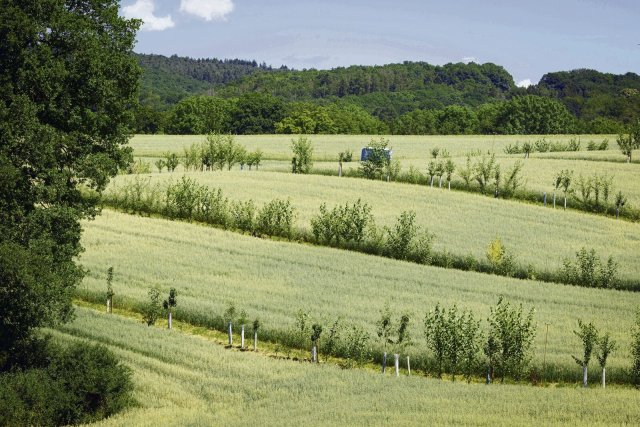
x=468, y=59
x=207, y=9
x=524, y=83
x=143, y=9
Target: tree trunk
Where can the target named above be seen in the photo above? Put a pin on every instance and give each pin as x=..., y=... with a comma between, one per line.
x=169, y=320
x=617, y=213
x=340, y=169
x=397, y=363
x=314, y=354
x=488, y=375
x=255, y=341
x=545, y=198
x=604, y=377
x=554, y=200
x=449, y=185
x=108, y=306
x=584, y=376
x=440, y=183
x=565, y=203
x=230, y=335
x=384, y=362
x=431, y=184
x=242, y=338
x=408, y=366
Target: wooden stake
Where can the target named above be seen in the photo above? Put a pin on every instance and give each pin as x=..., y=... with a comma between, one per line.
x=255, y=341
x=169, y=322
x=242, y=338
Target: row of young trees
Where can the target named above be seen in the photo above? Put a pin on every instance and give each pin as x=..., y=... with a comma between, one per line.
x=457, y=342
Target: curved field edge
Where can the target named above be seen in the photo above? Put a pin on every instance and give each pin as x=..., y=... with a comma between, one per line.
x=182, y=380
x=462, y=223
x=272, y=280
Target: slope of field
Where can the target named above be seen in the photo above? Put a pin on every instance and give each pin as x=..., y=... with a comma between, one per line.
x=463, y=223
x=185, y=380
x=538, y=171
x=272, y=280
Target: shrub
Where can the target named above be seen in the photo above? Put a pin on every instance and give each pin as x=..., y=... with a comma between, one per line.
x=151, y=310
x=378, y=160
x=81, y=384
x=343, y=224
x=243, y=215
x=407, y=241
x=276, y=218
x=588, y=270
x=501, y=261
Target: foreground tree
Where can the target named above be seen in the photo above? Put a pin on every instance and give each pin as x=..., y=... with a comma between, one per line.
x=68, y=80
x=589, y=337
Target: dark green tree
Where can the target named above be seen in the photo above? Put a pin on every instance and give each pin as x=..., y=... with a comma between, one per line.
x=68, y=83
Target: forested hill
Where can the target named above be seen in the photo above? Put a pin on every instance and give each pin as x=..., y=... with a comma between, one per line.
x=589, y=94
x=411, y=97
x=167, y=80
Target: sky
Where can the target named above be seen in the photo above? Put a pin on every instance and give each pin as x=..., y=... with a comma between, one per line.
x=528, y=38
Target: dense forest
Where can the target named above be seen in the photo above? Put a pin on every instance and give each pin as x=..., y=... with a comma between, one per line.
x=184, y=95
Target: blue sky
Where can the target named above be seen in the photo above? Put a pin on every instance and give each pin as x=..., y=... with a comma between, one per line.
x=527, y=38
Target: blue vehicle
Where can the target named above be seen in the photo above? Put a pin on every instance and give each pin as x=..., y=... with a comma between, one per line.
x=368, y=151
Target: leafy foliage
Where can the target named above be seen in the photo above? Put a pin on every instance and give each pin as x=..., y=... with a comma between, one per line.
x=67, y=82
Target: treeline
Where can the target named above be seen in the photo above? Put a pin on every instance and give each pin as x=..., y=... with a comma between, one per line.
x=597, y=102
x=258, y=113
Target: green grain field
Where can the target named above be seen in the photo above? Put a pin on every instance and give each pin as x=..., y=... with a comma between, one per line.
x=185, y=380
x=463, y=223
x=272, y=280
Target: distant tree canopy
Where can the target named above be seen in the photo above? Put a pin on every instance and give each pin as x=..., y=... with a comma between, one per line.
x=411, y=97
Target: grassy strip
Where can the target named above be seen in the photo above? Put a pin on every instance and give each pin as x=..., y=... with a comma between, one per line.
x=140, y=198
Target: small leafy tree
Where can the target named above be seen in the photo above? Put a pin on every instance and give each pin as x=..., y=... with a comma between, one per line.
x=160, y=164
x=432, y=169
x=527, y=148
x=454, y=340
x=406, y=240
x=357, y=346
x=316, y=331
x=302, y=152
x=466, y=173
x=436, y=333
x=171, y=161
x=606, y=346
x=169, y=304
x=510, y=338
x=630, y=140
x=484, y=170
x=620, y=201
x=471, y=342
x=152, y=308
x=384, y=331
x=566, y=177
x=109, y=290
x=513, y=181
x=229, y=317
x=378, y=160
x=449, y=168
x=588, y=334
